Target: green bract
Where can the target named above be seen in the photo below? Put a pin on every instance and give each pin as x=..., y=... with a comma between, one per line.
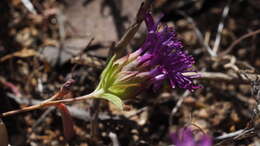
x=119, y=80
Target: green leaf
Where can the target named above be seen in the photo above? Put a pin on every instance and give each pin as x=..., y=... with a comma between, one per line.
x=112, y=98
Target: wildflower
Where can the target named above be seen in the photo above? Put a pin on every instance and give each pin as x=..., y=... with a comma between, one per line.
x=160, y=58
x=184, y=137
x=166, y=55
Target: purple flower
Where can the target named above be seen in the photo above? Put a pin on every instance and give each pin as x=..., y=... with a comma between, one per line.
x=160, y=58
x=184, y=137
x=164, y=54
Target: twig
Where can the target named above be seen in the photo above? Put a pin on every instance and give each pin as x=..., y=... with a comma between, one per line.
x=62, y=34
x=255, y=92
x=42, y=117
x=220, y=27
x=114, y=139
x=230, y=135
x=61, y=21
x=245, y=78
x=79, y=59
x=233, y=135
x=54, y=99
x=94, y=112
x=28, y=4
x=127, y=37
x=177, y=106
x=229, y=49
x=198, y=33
x=137, y=112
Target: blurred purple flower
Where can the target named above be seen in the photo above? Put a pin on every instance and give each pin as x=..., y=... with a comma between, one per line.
x=162, y=51
x=184, y=137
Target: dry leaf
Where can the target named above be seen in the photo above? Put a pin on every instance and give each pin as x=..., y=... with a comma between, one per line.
x=66, y=121
x=3, y=134
x=24, y=53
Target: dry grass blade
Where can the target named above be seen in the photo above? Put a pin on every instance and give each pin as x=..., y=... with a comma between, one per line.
x=221, y=26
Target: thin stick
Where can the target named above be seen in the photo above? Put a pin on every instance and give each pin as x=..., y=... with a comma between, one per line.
x=220, y=27
x=177, y=106
x=114, y=139
x=28, y=4
x=245, y=78
x=42, y=117
x=128, y=36
x=229, y=49
x=80, y=57
x=233, y=135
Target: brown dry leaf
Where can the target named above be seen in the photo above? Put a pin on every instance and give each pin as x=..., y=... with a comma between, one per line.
x=24, y=53
x=3, y=134
x=67, y=121
x=104, y=20
x=98, y=19
x=84, y=20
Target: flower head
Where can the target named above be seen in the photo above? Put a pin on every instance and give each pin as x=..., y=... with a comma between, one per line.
x=184, y=137
x=164, y=53
x=160, y=58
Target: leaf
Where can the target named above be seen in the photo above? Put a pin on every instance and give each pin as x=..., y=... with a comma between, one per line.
x=113, y=98
x=3, y=134
x=67, y=121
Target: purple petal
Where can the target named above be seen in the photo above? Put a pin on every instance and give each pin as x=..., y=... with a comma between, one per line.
x=164, y=52
x=144, y=58
x=150, y=22
x=184, y=137
x=205, y=141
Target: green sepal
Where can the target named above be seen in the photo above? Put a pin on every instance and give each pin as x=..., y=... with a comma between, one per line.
x=107, y=77
x=121, y=90
x=113, y=99
x=115, y=83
